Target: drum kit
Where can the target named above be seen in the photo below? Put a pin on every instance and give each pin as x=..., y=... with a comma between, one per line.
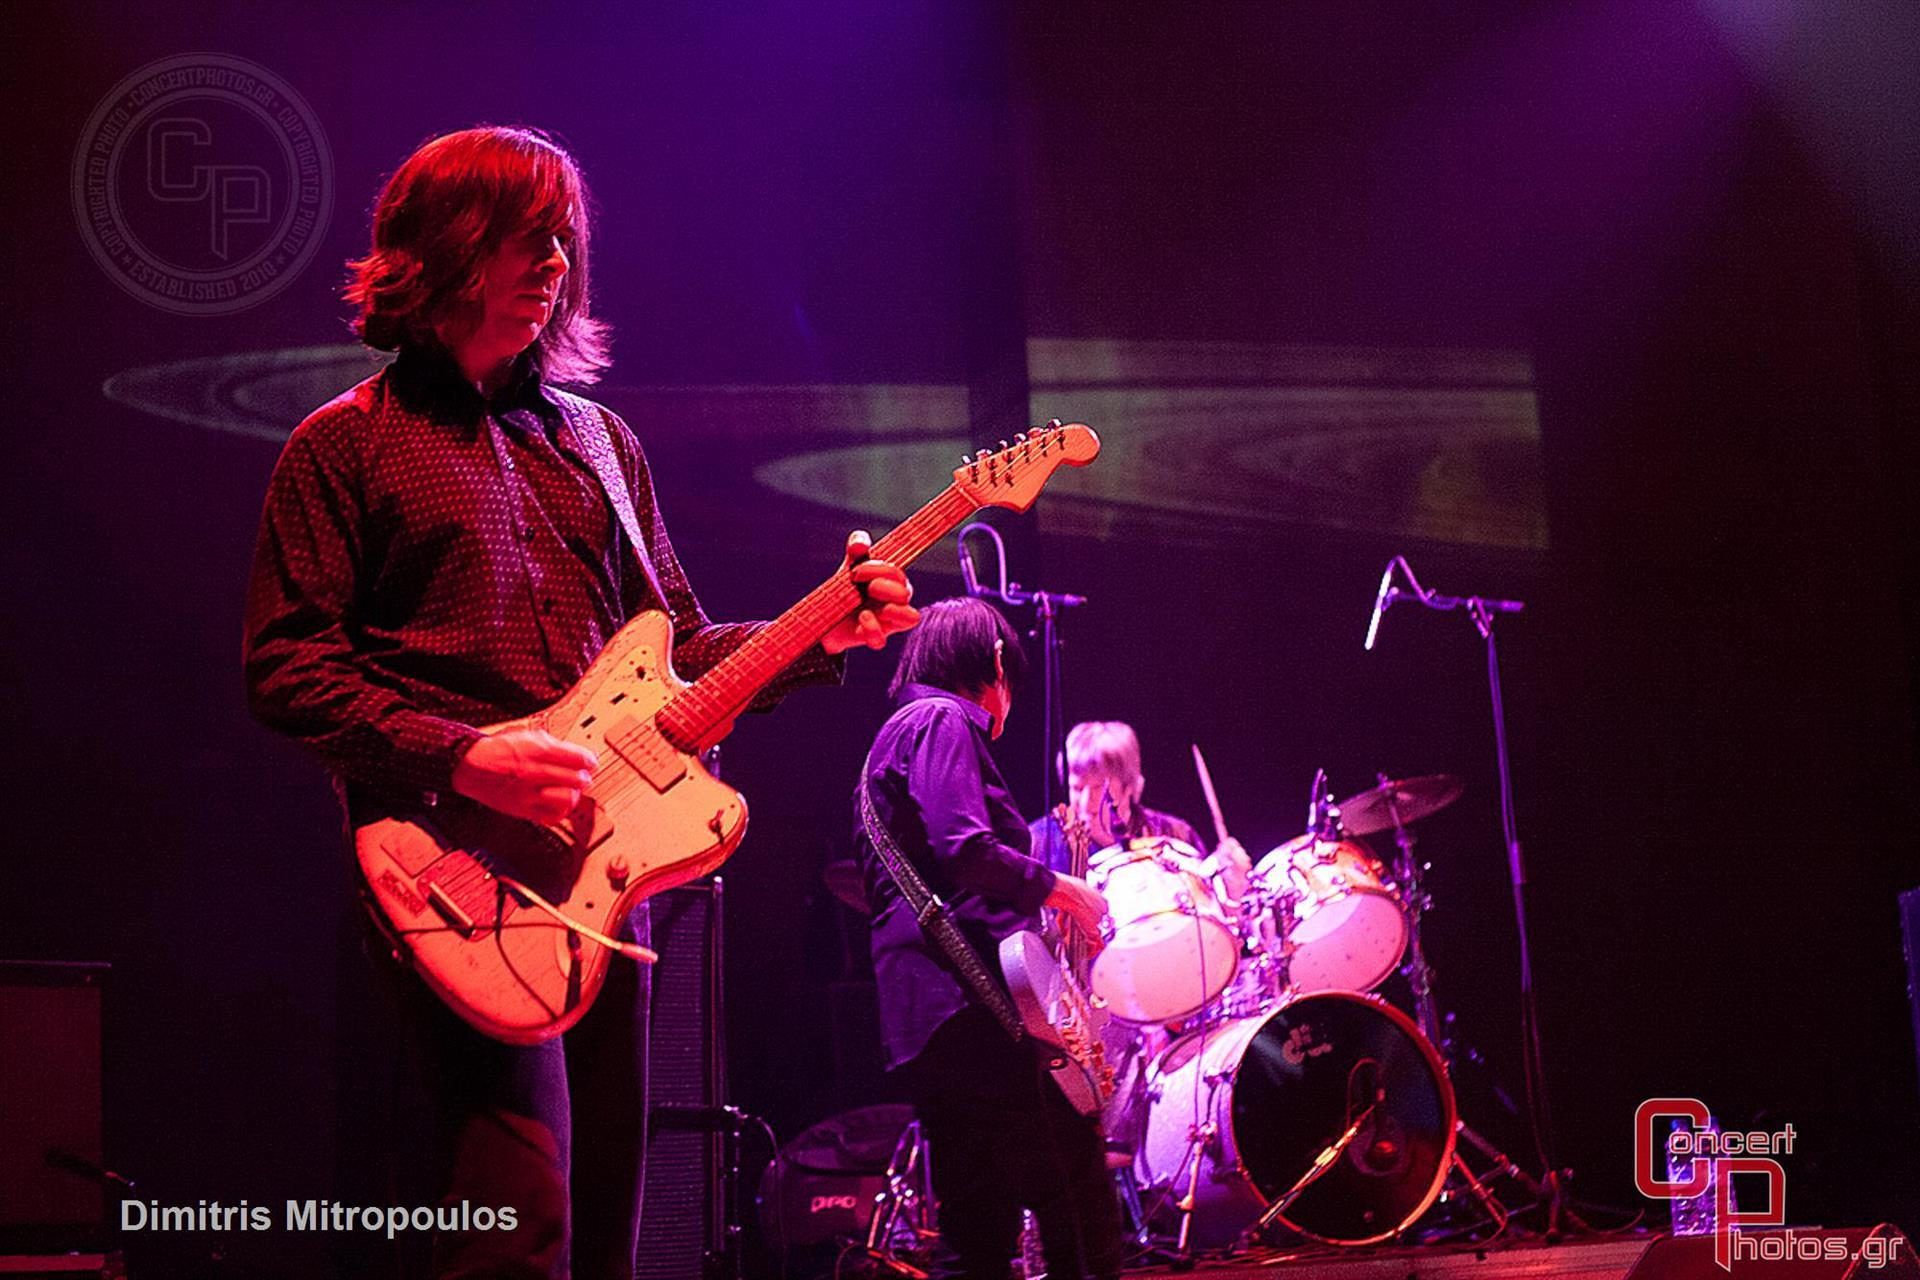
x=1264, y=1087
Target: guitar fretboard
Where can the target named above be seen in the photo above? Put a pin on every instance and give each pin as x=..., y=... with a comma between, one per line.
x=698, y=715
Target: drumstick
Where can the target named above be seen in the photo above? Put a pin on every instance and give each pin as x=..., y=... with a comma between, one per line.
x=1213, y=797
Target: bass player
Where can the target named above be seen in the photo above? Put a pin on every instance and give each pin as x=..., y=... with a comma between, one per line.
x=1001, y=1135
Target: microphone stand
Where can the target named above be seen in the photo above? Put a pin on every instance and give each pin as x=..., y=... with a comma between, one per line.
x=1481, y=610
x=1047, y=608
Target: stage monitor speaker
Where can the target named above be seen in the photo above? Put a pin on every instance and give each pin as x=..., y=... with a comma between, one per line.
x=1776, y=1253
x=680, y=1222
x=50, y=1107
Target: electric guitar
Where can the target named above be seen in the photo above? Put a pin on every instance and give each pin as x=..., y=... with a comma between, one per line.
x=1046, y=989
x=513, y=923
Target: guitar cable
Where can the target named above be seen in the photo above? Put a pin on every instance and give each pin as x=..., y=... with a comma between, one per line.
x=631, y=950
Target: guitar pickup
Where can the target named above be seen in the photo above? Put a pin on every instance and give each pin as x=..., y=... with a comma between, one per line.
x=647, y=752
x=450, y=911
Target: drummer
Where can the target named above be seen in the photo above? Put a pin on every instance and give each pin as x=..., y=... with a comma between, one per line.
x=1103, y=759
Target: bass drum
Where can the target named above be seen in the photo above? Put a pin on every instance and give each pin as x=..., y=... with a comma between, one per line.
x=1278, y=1089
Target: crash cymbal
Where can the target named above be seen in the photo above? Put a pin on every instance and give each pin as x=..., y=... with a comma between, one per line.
x=1411, y=799
x=845, y=882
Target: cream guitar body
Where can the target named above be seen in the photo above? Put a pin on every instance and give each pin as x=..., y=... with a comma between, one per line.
x=654, y=818
x=512, y=923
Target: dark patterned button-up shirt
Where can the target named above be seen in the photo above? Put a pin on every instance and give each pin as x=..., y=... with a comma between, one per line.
x=430, y=560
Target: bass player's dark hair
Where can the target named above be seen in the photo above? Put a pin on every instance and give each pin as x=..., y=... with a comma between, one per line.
x=952, y=648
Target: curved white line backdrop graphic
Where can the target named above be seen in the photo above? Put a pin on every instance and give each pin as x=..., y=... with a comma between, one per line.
x=1439, y=444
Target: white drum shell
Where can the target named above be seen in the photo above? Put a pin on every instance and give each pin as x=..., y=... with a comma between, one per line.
x=1173, y=949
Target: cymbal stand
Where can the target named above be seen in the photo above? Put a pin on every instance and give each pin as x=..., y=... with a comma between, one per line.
x=1408, y=871
x=907, y=1193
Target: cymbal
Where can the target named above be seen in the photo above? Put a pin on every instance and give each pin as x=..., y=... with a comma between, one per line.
x=1411, y=799
x=845, y=881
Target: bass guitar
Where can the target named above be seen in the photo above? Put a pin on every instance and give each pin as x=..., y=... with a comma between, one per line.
x=513, y=923
x=1055, y=1008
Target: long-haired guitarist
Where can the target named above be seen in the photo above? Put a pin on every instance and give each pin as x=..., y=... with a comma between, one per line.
x=439, y=551
x=1002, y=1136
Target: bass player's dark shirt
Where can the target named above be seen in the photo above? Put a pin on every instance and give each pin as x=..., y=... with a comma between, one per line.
x=939, y=794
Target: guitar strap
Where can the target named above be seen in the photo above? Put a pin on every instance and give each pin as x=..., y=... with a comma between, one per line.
x=936, y=920
x=589, y=426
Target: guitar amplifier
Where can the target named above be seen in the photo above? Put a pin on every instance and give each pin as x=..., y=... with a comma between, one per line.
x=681, y=1213
x=51, y=1200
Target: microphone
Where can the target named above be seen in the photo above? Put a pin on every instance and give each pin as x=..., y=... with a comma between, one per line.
x=969, y=576
x=1381, y=600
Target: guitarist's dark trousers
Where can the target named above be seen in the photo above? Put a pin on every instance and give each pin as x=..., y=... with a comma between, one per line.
x=556, y=1130
x=1002, y=1137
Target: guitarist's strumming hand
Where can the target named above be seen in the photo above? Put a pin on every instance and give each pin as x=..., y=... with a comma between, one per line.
x=1082, y=904
x=525, y=773
x=885, y=608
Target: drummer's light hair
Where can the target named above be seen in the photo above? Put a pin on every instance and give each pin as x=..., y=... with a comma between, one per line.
x=952, y=648
x=1110, y=746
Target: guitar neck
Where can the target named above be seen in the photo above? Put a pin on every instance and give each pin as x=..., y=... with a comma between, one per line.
x=698, y=716
x=1074, y=829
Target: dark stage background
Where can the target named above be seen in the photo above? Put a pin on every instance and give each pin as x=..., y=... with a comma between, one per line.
x=1609, y=306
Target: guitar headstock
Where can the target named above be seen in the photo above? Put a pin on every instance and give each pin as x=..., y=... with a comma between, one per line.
x=1012, y=475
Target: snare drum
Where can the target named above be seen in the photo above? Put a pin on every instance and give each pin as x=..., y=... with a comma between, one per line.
x=1173, y=947
x=1348, y=929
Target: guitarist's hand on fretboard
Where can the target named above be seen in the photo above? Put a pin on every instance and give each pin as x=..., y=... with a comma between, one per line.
x=885, y=590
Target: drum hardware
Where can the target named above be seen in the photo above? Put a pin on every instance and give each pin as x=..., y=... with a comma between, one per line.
x=1488, y=1201
x=1174, y=949
x=1344, y=928
x=1199, y=1138
x=1408, y=870
x=1315, y=1171
x=905, y=1199
x=1242, y=1113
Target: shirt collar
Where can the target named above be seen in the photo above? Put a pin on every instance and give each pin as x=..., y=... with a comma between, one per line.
x=428, y=378
x=974, y=712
